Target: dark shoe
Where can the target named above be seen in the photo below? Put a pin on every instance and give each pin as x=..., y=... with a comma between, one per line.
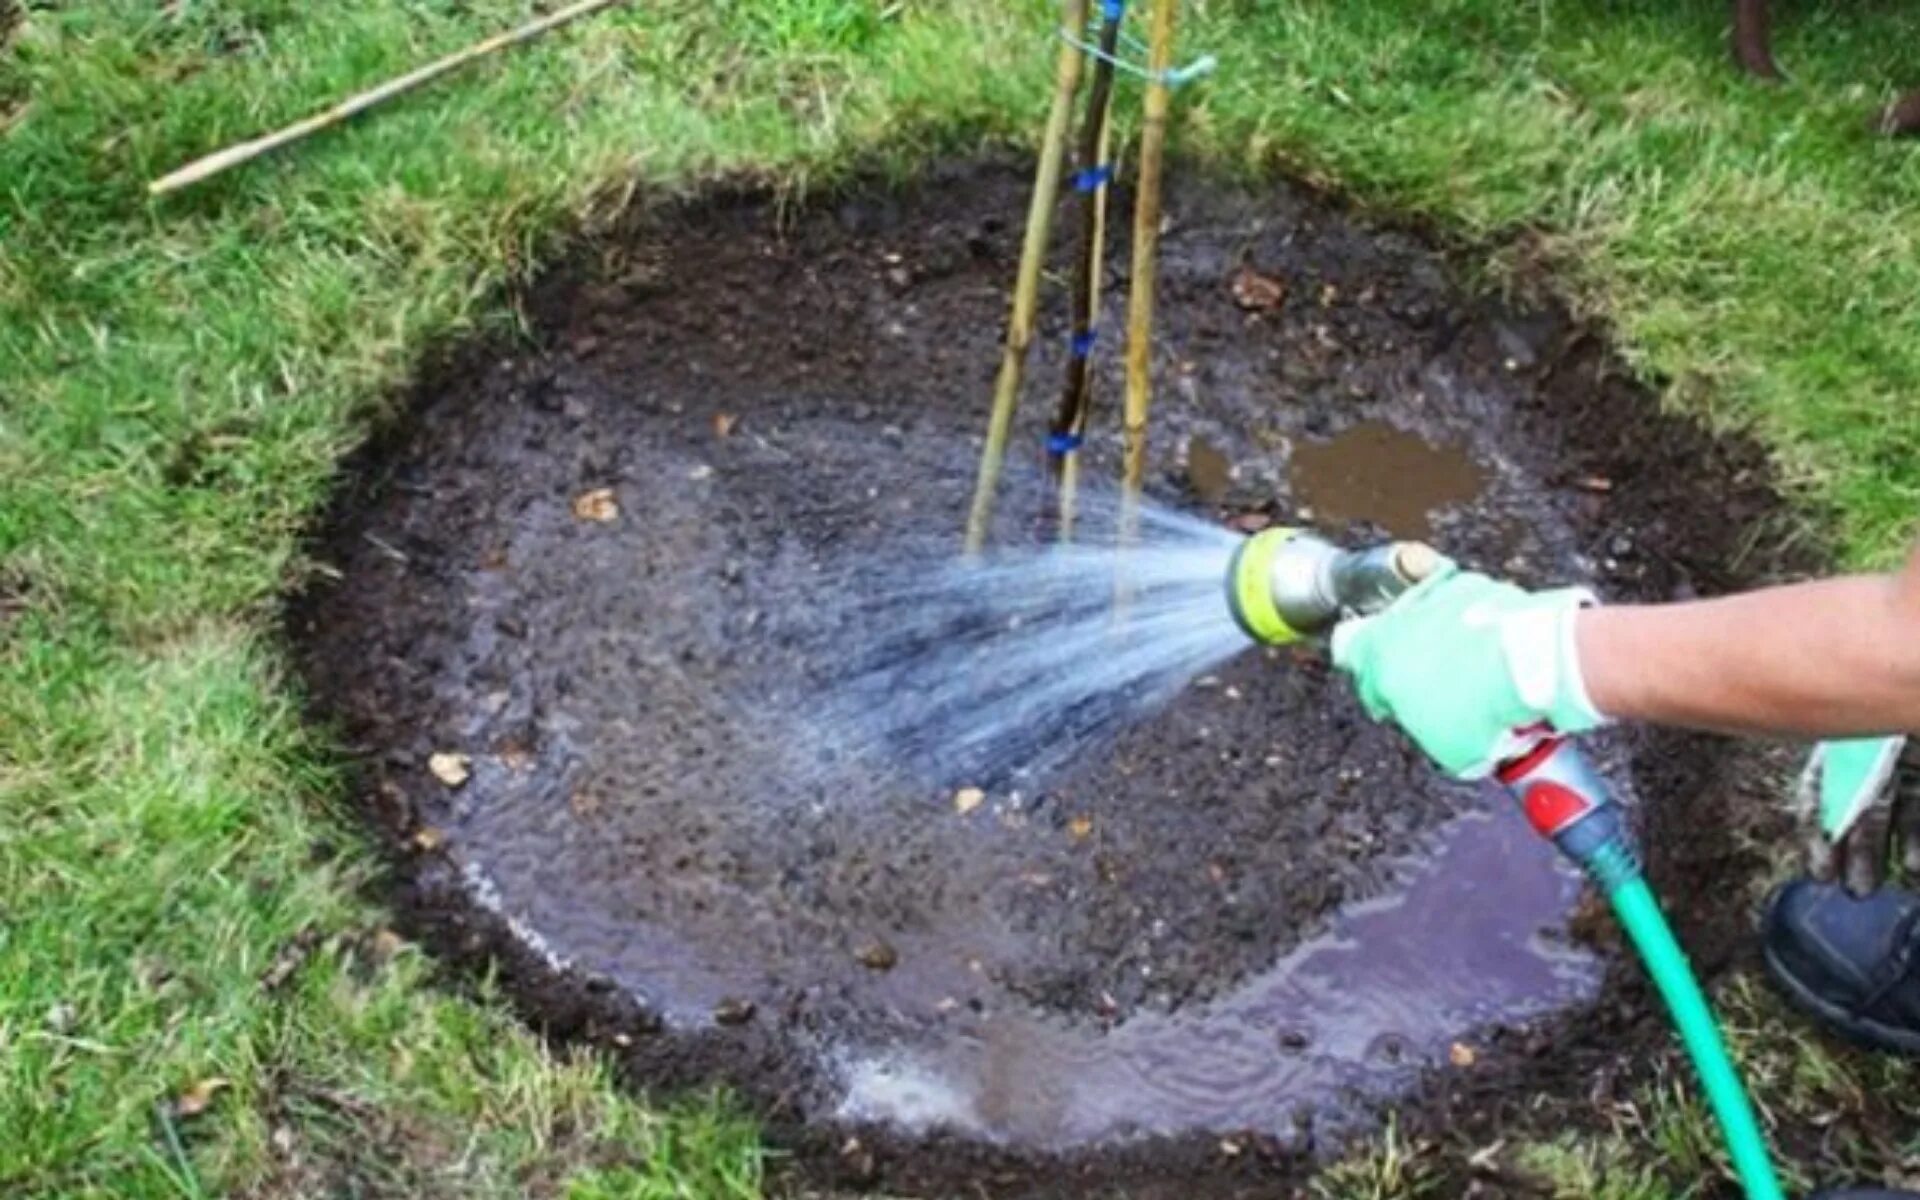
x=1854, y=965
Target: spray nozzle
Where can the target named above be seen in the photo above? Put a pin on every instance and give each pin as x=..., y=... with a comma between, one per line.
x=1285, y=584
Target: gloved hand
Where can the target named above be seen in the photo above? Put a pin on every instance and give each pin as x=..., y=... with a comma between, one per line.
x=1470, y=667
x=1859, y=800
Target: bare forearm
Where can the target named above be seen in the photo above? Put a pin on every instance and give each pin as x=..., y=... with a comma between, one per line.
x=1834, y=658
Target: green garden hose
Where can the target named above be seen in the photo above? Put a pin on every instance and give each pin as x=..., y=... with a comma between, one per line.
x=1285, y=584
x=1565, y=801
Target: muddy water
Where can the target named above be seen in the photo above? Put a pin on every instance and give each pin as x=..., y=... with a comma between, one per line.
x=1255, y=910
x=1386, y=476
x=1400, y=983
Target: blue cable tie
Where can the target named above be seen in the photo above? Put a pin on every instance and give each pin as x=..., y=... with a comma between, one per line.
x=1063, y=443
x=1093, y=179
x=1113, y=10
x=1081, y=344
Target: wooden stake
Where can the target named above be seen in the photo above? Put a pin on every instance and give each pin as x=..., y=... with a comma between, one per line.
x=1145, y=266
x=1013, y=358
x=233, y=156
x=1070, y=470
x=1076, y=394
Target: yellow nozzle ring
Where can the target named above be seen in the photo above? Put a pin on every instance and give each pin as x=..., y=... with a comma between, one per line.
x=1250, y=588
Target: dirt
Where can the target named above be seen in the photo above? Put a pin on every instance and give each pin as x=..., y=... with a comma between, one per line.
x=1219, y=945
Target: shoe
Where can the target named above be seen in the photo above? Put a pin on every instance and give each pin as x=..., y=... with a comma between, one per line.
x=1853, y=965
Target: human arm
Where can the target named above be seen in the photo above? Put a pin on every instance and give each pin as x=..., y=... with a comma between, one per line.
x=1833, y=658
x=1462, y=661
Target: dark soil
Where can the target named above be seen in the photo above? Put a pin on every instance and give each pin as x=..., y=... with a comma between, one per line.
x=638, y=852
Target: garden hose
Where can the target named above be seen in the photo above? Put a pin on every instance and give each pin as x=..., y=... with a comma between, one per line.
x=1566, y=802
x=1284, y=585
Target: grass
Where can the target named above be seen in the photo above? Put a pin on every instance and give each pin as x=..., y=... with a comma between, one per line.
x=178, y=380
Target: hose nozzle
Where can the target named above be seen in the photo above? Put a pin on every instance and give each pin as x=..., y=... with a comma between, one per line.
x=1285, y=584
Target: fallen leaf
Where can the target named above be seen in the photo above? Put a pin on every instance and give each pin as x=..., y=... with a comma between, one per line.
x=384, y=944
x=967, y=799
x=1487, y=1158
x=288, y=961
x=596, y=505
x=450, y=768
x=723, y=423
x=198, y=1098
x=1256, y=292
x=1231, y=1147
x=1080, y=828
x=1328, y=294
x=428, y=838
x=1461, y=1055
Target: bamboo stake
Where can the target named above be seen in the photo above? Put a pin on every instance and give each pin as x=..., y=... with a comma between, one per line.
x=1013, y=358
x=233, y=156
x=1070, y=419
x=1070, y=470
x=1146, y=250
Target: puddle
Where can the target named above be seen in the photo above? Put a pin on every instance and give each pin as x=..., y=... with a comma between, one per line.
x=1391, y=989
x=1256, y=911
x=1377, y=473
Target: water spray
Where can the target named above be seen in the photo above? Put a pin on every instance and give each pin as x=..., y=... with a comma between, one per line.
x=1285, y=585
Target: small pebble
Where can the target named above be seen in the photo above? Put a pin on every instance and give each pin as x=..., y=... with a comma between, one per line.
x=877, y=955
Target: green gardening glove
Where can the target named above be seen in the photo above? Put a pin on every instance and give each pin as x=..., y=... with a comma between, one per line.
x=1470, y=667
x=1859, y=799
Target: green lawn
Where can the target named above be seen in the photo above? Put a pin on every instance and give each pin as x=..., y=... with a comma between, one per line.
x=182, y=895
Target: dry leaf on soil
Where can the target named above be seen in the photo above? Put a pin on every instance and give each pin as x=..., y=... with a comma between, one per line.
x=449, y=768
x=1080, y=828
x=1461, y=1055
x=877, y=955
x=967, y=799
x=723, y=423
x=596, y=505
x=1256, y=292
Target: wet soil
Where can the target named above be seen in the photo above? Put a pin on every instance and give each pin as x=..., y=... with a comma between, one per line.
x=1216, y=944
